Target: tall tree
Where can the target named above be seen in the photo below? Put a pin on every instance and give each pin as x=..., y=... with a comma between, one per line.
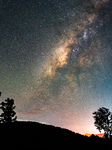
x=103, y=120
x=8, y=114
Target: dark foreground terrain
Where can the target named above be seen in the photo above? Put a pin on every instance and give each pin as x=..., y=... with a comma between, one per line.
x=31, y=135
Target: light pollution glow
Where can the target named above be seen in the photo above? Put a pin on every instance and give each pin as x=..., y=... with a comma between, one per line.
x=65, y=78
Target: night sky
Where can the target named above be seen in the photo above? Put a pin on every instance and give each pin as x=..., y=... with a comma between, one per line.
x=56, y=60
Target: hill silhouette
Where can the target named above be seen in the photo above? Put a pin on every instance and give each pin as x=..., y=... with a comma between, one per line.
x=34, y=135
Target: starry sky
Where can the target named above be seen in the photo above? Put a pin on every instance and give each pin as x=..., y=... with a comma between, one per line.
x=56, y=60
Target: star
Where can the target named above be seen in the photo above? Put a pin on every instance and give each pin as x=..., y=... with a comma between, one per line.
x=56, y=60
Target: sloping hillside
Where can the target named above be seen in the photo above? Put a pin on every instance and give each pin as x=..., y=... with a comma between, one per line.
x=34, y=135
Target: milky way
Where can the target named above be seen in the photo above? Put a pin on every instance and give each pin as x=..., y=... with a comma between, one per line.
x=56, y=60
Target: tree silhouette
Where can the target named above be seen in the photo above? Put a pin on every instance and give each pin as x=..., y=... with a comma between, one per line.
x=8, y=114
x=103, y=120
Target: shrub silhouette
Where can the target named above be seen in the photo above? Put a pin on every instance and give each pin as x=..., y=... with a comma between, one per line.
x=8, y=114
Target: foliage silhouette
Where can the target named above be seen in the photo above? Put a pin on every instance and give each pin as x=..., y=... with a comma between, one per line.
x=26, y=135
x=103, y=121
x=8, y=114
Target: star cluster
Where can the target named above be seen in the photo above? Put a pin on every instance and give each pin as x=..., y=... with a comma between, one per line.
x=56, y=60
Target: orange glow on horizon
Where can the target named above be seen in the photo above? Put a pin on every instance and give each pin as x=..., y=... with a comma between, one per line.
x=99, y=135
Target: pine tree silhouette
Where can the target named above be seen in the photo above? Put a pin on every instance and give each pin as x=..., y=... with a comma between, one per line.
x=8, y=114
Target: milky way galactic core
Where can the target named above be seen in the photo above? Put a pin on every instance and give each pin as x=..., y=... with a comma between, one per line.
x=56, y=60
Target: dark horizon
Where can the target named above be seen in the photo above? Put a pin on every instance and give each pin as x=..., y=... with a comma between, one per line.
x=34, y=135
x=56, y=60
